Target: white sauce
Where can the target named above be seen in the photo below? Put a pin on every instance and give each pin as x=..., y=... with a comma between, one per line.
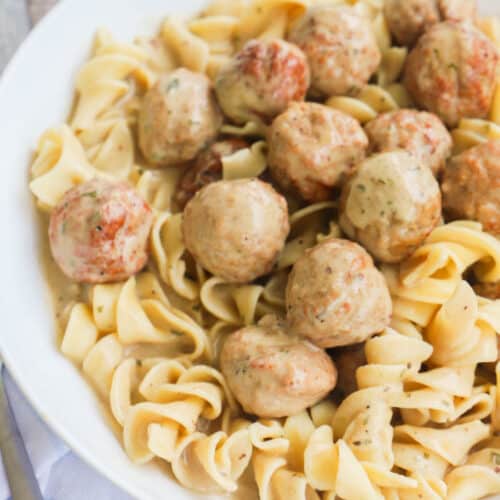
x=388, y=187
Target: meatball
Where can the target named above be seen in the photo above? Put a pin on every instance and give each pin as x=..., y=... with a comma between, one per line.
x=409, y=19
x=236, y=229
x=421, y=134
x=341, y=49
x=178, y=118
x=488, y=291
x=206, y=169
x=390, y=205
x=99, y=232
x=261, y=80
x=452, y=72
x=458, y=10
x=336, y=296
x=273, y=374
x=313, y=148
x=348, y=360
x=471, y=186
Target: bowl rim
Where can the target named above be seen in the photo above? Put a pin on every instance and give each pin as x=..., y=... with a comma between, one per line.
x=68, y=438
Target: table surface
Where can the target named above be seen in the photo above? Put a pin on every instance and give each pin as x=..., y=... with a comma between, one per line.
x=17, y=17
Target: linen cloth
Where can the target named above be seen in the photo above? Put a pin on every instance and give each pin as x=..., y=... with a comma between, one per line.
x=61, y=474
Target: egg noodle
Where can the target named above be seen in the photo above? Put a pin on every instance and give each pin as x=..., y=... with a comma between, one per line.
x=150, y=345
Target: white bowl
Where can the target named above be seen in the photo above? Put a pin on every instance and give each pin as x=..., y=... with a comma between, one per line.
x=36, y=92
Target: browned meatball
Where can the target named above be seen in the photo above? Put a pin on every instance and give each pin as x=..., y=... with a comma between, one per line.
x=409, y=19
x=421, y=134
x=178, y=118
x=99, y=232
x=489, y=291
x=236, y=229
x=348, y=360
x=262, y=80
x=336, y=296
x=452, y=72
x=390, y=205
x=471, y=186
x=313, y=148
x=340, y=46
x=206, y=169
x=273, y=374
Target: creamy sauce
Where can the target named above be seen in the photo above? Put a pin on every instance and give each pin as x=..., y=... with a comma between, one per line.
x=64, y=293
x=387, y=187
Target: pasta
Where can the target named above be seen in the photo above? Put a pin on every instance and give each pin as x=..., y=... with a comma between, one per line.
x=251, y=129
x=157, y=187
x=423, y=420
x=109, y=147
x=168, y=250
x=139, y=312
x=371, y=101
x=439, y=265
x=303, y=450
x=230, y=303
x=60, y=164
x=447, y=392
x=107, y=77
x=472, y=132
x=246, y=163
x=172, y=398
x=306, y=226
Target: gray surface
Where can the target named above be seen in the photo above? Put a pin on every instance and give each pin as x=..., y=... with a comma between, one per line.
x=17, y=17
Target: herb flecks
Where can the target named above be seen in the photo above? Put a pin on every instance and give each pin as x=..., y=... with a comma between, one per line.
x=95, y=218
x=173, y=84
x=362, y=442
x=90, y=194
x=241, y=369
x=354, y=89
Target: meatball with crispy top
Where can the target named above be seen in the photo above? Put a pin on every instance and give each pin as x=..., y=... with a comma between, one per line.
x=99, y=232
x=409, y=19
x=452, y=72
x=262, y=80
x=341, y=49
